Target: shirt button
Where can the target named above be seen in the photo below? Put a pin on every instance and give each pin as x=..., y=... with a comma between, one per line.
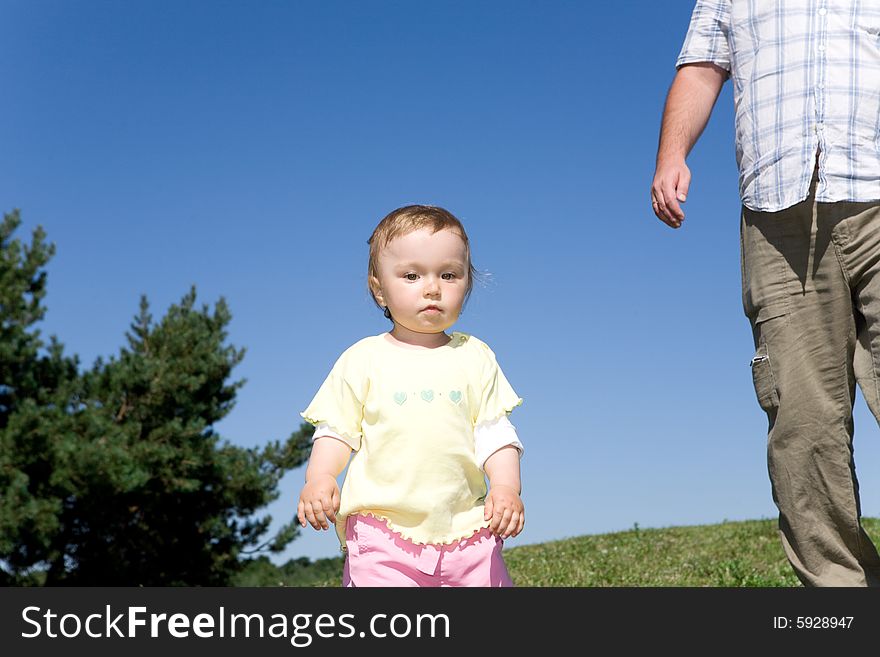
x=821, y=48
x=823, y=11
x=821, y=85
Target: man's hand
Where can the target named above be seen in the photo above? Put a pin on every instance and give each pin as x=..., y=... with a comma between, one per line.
x=669, y=189
x=688, y=105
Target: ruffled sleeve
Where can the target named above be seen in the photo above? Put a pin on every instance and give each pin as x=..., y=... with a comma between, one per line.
x=497, y=397
x=339, y=402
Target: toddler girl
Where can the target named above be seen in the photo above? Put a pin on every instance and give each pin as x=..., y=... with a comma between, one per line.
x=426, y=414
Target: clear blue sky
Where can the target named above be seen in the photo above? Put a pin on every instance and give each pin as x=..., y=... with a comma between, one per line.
x=249, y=148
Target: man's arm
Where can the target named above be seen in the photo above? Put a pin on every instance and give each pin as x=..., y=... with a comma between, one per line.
x=688, y=106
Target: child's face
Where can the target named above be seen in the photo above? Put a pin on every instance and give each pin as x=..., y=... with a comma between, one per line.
x=423, y=281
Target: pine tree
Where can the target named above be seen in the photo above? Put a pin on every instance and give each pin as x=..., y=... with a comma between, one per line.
x=115, y=475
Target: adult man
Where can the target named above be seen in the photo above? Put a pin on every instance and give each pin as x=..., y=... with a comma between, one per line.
x=806, y=82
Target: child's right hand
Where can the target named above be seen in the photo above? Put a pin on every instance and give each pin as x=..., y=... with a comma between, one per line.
x=319, y=502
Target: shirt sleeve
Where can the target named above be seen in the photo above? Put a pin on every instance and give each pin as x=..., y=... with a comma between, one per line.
x=339, y=402
x=497, y=397
x=323, y=430
x=489, y=437
x=706, y=39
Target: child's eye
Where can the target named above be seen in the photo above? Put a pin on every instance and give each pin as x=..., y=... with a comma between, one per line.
x=448, y=276
x=411, y=276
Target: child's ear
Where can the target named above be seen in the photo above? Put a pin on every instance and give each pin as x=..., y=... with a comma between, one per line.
x=376, y=289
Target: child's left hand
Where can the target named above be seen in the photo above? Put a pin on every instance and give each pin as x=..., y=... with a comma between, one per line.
x=506, y=510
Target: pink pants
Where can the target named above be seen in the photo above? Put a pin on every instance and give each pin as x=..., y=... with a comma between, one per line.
x=379, y=557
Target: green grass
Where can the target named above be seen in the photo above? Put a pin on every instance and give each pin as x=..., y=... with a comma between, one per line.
x=728, y=554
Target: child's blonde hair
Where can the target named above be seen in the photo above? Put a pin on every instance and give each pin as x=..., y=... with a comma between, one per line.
x=404, y=221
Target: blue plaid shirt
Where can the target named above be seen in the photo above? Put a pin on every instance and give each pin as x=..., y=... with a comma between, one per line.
x=806, y=80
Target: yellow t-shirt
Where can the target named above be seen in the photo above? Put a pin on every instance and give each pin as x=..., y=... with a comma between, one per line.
x=410, y=415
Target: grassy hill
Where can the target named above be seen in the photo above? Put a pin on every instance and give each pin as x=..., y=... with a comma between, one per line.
x=728, y=554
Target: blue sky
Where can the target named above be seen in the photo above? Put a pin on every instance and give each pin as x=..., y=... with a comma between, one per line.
x=249, y=148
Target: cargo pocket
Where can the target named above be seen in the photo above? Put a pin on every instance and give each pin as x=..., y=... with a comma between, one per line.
x=766, y=322
x=762, y=366
x=765, y=383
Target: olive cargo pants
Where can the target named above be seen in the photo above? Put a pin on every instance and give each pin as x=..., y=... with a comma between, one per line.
x=811, y=290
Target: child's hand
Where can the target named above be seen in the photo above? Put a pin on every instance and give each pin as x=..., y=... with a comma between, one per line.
x=505, y=508
x=319, y=502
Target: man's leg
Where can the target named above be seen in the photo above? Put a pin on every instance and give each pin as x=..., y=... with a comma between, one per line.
x=857, y=242
x=799, y=302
